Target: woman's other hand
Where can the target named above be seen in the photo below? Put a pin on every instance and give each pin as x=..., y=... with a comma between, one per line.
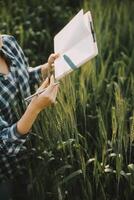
x=49, y=66
x=47, y=97
x=52, y=58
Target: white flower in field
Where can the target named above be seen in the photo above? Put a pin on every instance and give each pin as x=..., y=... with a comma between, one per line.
x=119, y=155
x=112, y=155
x=131, y=166
x=66, y=192
x=108, y=170
x=107, y=166
x=128, y=174
x=91, y=160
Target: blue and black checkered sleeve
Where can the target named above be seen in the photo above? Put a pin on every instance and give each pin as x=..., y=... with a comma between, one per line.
x=11, y=142
x=35, y=76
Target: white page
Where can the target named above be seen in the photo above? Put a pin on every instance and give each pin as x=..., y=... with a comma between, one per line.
x=68, y=36
x=83, y=49
x=62, y=68
x=79, y=54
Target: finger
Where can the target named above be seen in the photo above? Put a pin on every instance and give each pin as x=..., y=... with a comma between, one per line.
x=54, y=100
x=54, y=92
x=52, y=80
x=47, y=90
x=54, y=89
x=50, y=90
x=53, y=95
x=44, y=84
x=53, y=56
x=52, y=67
x=57, y=55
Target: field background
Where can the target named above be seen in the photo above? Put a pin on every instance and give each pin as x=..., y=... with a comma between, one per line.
x=85, y=145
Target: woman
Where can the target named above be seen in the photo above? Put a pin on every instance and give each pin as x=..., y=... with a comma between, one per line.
x=16, y=81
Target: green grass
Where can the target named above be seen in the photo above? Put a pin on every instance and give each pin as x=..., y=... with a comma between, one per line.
x=86, y=150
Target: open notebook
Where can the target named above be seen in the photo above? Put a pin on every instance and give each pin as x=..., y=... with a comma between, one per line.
x=76, y=44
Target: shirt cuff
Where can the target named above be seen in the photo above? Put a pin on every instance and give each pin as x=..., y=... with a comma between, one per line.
x=35, y=73
x=16, y=135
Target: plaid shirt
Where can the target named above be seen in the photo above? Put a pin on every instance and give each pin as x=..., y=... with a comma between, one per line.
x=14, y=87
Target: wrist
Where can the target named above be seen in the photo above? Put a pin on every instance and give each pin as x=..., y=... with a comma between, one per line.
x=26, y=121
x=32, y=108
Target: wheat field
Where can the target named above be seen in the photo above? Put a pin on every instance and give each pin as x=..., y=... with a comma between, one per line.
x=85, y=143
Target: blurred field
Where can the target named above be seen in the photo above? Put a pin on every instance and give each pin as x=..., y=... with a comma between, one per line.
x=85, y=149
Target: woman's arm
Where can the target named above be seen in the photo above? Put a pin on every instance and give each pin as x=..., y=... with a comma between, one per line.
x=37, y=105
x=25, y=123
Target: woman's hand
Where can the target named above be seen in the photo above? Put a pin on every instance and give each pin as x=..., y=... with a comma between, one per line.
x=47, y=97
x=45, y=68
x=52, y=58
x=37, y=104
